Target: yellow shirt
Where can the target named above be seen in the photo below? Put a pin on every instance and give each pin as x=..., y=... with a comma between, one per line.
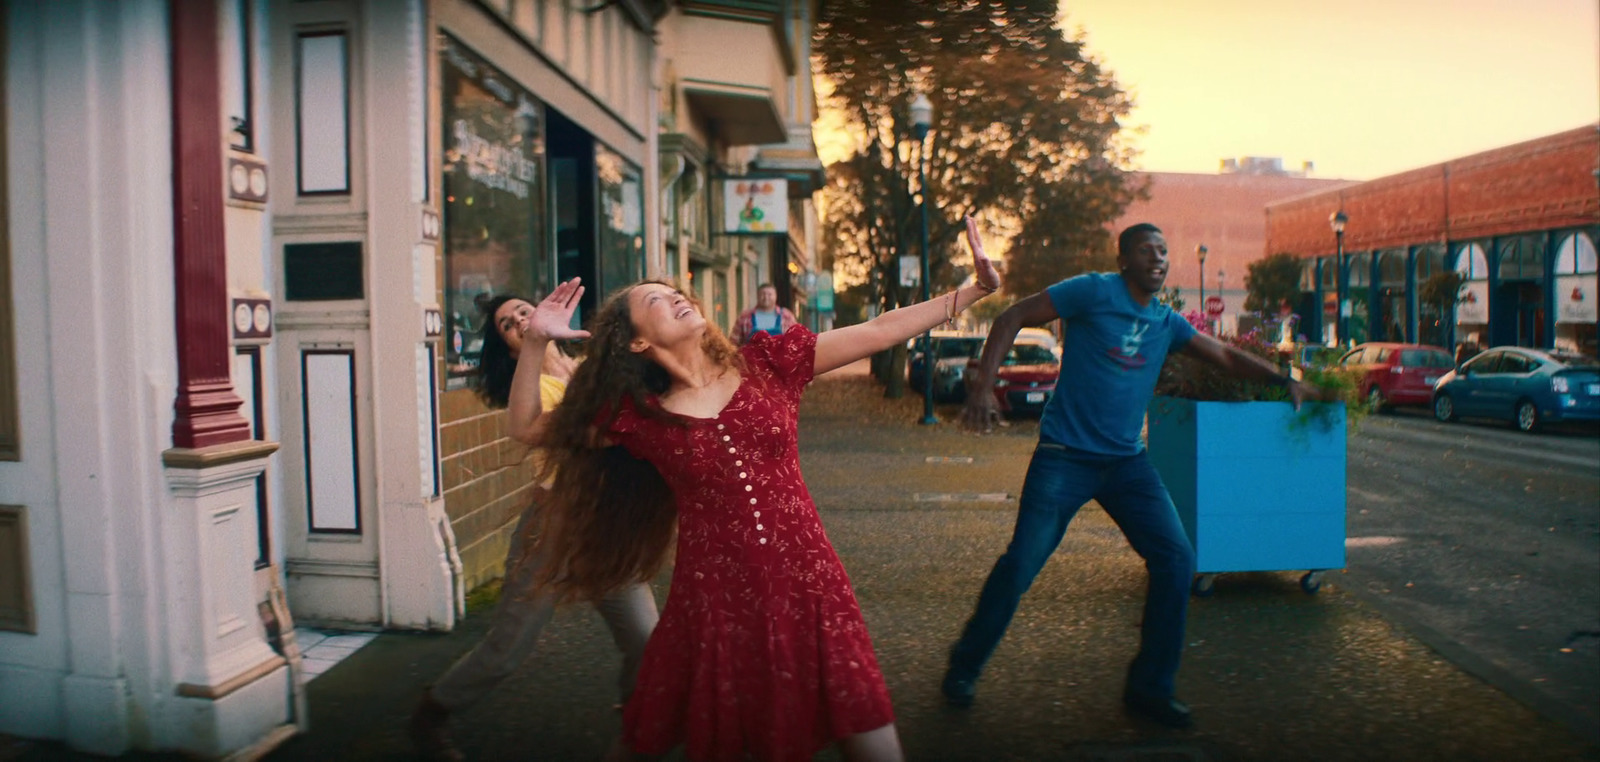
x=551, y=390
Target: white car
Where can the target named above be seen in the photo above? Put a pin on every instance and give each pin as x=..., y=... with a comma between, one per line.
x=1041, y=336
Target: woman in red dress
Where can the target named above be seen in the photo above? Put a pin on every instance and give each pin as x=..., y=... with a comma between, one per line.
x=761, y=651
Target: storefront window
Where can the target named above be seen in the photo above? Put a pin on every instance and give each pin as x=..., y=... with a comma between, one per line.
x=1576, y=256
x=1330, y=275
x=1431, y=328
x=494, y=222
x=719, y=300
x=1471, y=262
x=1576, y=291
x=1360, y=270
x=622, y=220
x=695, y=216
x=1521, y=258
x=1430, y=262
x=669, y=229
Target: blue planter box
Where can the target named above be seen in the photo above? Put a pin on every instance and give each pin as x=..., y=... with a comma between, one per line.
x=1257, y=489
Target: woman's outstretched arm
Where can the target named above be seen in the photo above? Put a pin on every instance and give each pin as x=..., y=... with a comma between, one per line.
x=526, y=416
x=843, y=346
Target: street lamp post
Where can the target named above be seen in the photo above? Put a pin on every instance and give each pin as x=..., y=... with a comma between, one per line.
x=1222, y=293
x=1200, y=252
x=1337, y=221
x=921, y=121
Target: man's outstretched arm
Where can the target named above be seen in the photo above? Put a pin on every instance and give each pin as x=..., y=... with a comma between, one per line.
x=1248, y=366
x=981, y=410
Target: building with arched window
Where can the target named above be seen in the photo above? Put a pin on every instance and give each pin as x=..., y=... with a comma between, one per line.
x=1517, y=225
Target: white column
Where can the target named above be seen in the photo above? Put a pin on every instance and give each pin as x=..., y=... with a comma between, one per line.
x=418, y=580
x=232, y=688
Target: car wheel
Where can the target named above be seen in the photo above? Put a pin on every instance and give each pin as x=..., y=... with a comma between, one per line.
x=1527, y=416
x=1375, y=400
x=1444, y=408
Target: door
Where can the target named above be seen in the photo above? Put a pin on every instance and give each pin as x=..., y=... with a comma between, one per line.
x=1479, y=373
x=1505, y=385
x=572, y=208
x=324, y=358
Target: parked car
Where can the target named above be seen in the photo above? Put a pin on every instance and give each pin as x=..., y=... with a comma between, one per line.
x=951, y=350
x=1398, y=374
x=1026, y=377
x=1041, y=336
x=1529, y=387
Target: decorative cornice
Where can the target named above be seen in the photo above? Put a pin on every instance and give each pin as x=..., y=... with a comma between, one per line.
x=218, y=455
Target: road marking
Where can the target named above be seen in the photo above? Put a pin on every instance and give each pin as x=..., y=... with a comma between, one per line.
x=1370, y=496
x=960, y=497
x=1372, y=542
x=946, y=459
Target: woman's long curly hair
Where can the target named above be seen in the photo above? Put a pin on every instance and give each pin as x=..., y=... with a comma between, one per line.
x=610, y=516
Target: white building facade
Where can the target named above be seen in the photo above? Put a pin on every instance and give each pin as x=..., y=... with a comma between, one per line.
x=241, y=243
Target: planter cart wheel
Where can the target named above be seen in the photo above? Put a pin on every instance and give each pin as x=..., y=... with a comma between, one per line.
x=1204, y=585
x=1311, y=582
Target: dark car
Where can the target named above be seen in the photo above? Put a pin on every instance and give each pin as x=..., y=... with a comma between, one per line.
x=1026, y=377
x=951, y=351
x=1398, y=374
x=1528, y=387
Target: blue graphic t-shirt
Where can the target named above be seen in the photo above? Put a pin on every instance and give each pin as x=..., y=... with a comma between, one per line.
x=1111, y=353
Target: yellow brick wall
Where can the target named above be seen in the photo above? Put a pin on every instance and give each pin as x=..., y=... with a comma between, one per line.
x=488, y=479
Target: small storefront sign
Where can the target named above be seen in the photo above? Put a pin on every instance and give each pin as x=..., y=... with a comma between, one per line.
x=755, y=205
x=1473, y=306
x=1575, y=299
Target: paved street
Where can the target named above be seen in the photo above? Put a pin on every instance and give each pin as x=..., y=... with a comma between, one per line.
x=1272, y=673
x=1486, y=542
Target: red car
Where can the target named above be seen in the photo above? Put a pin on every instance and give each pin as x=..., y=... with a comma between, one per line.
x=1026, y=378
x=1398, y=374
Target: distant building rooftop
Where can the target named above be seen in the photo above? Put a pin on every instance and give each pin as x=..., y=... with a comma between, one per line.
x=1263, y=165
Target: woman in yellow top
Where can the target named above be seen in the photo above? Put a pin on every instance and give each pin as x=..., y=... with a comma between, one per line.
x=630, y=612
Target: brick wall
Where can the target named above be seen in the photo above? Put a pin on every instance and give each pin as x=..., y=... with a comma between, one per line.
x=487, y=478
x=1542, y=184
x=1222, y=211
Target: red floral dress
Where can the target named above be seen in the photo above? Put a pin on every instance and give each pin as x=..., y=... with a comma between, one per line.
x=761, y=651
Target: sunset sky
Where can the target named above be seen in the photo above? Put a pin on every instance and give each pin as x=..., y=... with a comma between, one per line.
x=1362, y=88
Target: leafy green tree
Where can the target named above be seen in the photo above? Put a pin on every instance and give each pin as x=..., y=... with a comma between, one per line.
x=1272, y=281
x=1172, y=296
x=1024, y=136
x=1442, y=289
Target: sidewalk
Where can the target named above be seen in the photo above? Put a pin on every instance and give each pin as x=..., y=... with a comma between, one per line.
x=1271, y=672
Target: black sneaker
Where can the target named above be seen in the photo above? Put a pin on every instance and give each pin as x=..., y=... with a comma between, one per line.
x=957, y=692
x=429, y=728
x=1166, y=710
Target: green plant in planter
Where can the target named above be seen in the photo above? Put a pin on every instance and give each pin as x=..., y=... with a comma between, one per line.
x=1188, y=378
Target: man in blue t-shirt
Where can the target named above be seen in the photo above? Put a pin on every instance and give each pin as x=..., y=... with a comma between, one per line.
x=1117, y=336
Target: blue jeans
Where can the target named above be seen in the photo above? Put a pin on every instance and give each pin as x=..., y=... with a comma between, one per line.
x=1130, y=490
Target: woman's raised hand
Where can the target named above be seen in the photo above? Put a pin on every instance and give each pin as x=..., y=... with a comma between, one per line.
x=552, y=318
x=987, y=276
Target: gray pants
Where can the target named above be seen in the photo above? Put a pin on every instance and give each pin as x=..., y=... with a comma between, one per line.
x=630, y=613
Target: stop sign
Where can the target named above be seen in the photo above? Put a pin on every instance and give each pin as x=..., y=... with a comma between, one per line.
x=1213, y=305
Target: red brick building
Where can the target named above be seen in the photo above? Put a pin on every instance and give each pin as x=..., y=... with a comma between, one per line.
x=1519, y=223
x=1223, y=213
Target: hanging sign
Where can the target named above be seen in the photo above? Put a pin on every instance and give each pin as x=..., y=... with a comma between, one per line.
x=755, y=205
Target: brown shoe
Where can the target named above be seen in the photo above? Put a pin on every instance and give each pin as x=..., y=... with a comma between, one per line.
x=430, y=731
